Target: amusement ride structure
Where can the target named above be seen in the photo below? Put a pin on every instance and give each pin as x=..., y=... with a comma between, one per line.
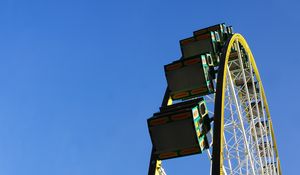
x=215, y=103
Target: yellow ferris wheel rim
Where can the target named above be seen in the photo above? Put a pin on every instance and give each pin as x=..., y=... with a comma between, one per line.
x=222, y=81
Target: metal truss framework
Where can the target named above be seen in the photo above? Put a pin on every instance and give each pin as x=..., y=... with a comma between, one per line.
x=243, y=136
x=244, y=141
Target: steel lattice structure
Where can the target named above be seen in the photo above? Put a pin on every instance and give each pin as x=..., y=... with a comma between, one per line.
x=243, y=137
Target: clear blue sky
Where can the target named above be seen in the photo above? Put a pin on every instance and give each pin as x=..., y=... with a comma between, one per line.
x=79, y=78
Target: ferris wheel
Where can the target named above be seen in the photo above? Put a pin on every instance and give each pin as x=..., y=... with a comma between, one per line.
x=215, y=104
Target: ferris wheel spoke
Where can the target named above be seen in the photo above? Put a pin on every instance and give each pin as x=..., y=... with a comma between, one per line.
x=266, y=128
x=246, y=88
x=238, y=107
x=227, y=155
x=261, y=119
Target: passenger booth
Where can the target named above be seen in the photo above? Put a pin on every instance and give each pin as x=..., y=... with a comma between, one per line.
x=270, y=168
x=235, y=64
x=264, y=128
x=252, y=89
x=180, y=129
x=188, y=78
x=221, y=34
x=257, y=108
x=198, y=45
x=264, y=147
x=208, y=40
x=222, y=31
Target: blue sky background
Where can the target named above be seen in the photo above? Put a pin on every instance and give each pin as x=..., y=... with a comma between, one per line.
x=79, y=78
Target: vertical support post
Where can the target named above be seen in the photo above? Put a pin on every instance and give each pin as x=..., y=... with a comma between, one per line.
x=153, y=164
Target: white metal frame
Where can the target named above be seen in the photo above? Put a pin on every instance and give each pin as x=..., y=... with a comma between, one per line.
x=248, y=147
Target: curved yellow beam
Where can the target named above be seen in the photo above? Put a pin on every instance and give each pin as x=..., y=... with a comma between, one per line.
x=220, y=102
